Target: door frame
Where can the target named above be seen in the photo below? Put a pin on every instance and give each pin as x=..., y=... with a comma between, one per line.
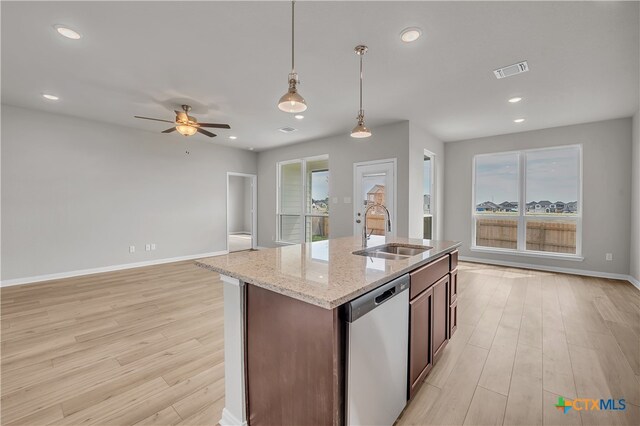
x=254, y=209
x=394, y=227
x=434, y=195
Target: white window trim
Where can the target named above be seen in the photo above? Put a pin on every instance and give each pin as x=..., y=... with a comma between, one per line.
x=303, y=205
x=521, y=216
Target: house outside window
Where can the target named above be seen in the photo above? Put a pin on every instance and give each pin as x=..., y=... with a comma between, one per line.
x=303, y=200
x=547, y=184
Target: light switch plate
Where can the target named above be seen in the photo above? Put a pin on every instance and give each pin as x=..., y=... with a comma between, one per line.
x=608, y=256
x=147, y=247
x=335, y=200
x=132, y=249
x=153, y=246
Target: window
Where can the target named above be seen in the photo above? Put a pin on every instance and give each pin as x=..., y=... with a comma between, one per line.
x=303, y=200
x=528, y=201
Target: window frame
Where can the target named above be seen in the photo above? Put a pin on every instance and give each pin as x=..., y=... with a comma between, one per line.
x=522, y=217
x=304, y=212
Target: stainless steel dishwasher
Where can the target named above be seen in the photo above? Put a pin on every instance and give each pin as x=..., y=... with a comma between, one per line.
x=377, y=354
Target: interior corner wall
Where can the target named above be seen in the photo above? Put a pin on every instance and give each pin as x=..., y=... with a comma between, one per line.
x=634, y=248
x=390, y=141
x=419, y=141
x=77, y=193
x=606, y=191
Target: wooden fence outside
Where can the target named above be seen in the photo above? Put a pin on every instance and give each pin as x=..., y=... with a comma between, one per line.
x=557, y=237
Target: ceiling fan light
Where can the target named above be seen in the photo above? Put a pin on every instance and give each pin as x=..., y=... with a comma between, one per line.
x=186, y=130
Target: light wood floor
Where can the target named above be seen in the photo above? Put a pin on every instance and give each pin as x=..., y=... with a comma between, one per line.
x=526, y=337
x=144, y=346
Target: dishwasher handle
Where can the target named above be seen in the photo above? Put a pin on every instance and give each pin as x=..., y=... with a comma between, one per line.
x=384, y=296
x=364, y=304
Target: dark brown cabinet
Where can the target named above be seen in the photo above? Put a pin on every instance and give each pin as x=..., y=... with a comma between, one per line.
x=433, y=316
x=420, y=346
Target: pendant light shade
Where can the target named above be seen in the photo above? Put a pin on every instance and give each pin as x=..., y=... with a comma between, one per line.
x=360, y=131
x=292, y=101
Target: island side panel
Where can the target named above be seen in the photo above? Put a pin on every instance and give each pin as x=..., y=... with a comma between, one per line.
x=295, y=361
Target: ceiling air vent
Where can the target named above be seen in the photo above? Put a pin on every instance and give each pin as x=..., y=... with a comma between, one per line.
x=287, y=129
x=510, y=70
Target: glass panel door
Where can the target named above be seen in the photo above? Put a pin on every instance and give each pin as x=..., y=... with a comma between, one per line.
x=375, y=184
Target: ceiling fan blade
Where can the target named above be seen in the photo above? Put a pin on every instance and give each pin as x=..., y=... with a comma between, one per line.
x=172, y=129
x=154, y=119
x=180, y=115
x=205, y=132
x=217, y=126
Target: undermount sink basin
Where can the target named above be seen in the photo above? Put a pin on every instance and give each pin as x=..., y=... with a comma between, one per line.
x=393, y=251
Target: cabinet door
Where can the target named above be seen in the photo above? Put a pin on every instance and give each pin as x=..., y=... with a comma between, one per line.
x=440, y=315
x=420, y=345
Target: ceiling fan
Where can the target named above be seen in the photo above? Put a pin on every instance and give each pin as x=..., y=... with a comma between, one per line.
x=187, y=125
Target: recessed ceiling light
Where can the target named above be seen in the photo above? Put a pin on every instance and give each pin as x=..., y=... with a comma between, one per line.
x=287, y=129
x=233, y=137
x=67, y=32
x=299, y=116
x=410, y=34
x=514, y=100
x=50, y=97
x=250, y=149
x=518, y=120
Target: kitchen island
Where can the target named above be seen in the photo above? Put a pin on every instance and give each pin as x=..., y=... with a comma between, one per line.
x=286, y=322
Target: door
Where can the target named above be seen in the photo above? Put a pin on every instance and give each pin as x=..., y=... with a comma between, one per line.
x=374, y=182
x=420, y=325
x=428, y=196
x=241, y=207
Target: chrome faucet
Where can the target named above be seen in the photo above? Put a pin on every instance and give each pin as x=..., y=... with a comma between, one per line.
x=365, y=237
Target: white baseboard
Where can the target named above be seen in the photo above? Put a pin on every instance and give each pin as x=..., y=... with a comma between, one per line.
x=77, y=273
x=229, y=419
x=634, y=281
x=573, y=271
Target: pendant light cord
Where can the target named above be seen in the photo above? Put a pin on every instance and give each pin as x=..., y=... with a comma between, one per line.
x=361, y=81
x=293, y=15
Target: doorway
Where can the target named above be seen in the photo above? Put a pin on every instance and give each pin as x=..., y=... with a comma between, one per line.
x=241, y=212
x=374, y=182
x=428, y=196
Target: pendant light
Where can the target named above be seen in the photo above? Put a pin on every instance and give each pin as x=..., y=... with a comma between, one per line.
x=360, y=131
x=292, y=101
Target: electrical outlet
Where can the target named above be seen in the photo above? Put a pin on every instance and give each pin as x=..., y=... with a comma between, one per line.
x=132, y=249
x=147, y=247
x=335, y=200
x=608, y=256
x=153, y=246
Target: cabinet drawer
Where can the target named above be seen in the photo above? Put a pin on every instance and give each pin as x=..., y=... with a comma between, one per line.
x=425, y=277
x=453, y=256
x=453, y=286
x=453, y=318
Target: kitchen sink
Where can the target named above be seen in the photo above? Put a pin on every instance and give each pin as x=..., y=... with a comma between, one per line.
x=393, y=251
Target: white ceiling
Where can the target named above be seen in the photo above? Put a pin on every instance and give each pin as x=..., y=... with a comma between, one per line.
x=230, y=61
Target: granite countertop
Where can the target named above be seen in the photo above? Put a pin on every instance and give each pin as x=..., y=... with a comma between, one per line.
x=323, y=273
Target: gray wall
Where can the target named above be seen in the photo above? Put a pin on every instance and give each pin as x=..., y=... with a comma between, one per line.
x=390, y=141
x=419, y=141
x=634, y=251
x=77, y=193
x=606, y=190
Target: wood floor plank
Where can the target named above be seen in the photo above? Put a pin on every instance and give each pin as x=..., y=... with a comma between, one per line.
x=524, y=403
x=487, y=408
